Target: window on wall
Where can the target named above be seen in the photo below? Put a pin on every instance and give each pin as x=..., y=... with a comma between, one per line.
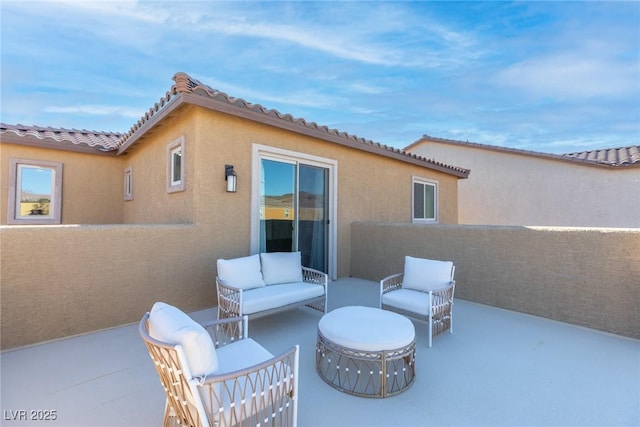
x=35, y=192
x=175, y=166
x=128, y=183
x=425, y=200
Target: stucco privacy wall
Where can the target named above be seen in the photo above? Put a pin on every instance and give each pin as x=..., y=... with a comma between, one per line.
x=88, y=278
x=584, y=276
x=92, y=185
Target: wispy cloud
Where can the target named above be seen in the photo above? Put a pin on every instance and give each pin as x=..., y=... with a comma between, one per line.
x=95, y=110
x=572, y=75
x=540, y=75
x=119, y=9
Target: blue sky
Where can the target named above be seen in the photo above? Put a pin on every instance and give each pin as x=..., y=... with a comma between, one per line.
x=555, y=77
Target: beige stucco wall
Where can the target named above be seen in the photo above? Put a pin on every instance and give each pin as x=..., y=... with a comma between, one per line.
x=92, y=185
x=57, y=281
x=516, y=189
x=151, y=203
x=584, y=276
x=370, y=187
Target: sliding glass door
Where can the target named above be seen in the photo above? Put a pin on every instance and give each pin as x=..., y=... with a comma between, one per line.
x=313, y=220
x=294, y=210
x=277, y=206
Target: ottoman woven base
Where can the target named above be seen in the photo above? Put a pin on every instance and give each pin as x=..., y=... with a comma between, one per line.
x=374, y=371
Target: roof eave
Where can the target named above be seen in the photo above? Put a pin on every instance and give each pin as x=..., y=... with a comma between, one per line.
x=292, y=126
x=134, y=137
x=31, y=141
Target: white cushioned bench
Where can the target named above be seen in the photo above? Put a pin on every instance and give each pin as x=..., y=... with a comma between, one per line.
x=267, y=283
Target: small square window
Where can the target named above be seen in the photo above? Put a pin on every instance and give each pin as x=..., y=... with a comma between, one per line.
x=425, y=206
x=128, y=183
x=35, y=192
x=175, y=166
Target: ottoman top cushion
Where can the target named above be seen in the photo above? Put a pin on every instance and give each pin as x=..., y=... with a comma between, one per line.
x=367, y=328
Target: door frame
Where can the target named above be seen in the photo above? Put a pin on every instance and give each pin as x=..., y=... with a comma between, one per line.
x=260, y=151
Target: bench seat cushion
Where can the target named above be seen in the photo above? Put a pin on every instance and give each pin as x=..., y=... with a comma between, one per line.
x=275, y=296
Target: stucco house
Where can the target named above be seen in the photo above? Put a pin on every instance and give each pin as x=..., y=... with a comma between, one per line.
x=599, y=188
x=200, y=176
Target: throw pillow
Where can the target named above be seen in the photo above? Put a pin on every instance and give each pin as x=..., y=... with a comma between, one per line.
x=243, y=273
x=281, y=267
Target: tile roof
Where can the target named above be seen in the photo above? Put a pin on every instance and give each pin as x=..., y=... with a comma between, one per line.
x=624, y=156
x=185, y=85
x=608, y=157
x=103, y=141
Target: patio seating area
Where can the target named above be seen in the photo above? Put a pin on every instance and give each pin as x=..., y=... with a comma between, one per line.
x=498, y=368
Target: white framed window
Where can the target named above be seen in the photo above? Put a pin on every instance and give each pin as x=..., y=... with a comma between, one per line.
x=128, y=183
x=176, y=166
x=35, y=192
x=425, y=200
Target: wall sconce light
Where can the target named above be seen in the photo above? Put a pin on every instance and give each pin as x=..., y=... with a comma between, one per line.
x=231, y=178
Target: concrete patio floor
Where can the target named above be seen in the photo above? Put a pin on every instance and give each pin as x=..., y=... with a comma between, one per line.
x=498, y=368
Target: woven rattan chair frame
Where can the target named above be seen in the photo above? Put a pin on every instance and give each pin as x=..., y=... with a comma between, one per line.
x=365, y=373
x=265, y=394
x=439, y=317
x=230, y=298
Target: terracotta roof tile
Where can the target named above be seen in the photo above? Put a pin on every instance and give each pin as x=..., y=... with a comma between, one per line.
x=103, y=141
x=184, y=84
x=623, y=156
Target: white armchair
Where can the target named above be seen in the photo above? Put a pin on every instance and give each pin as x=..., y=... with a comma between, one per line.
x=424, y=290
x=215, y=375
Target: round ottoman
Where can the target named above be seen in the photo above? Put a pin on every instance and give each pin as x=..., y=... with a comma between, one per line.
x=366, y=351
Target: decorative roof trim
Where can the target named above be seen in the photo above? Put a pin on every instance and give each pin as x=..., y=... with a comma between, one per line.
x=614, y=157
x=192, y=91
x=83, y=141
x=586, y=158
x=187, y=90
x=169, y=104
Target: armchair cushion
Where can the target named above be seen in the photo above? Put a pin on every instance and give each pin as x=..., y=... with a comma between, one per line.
x=281, y=267
x=426, y=274
x=241, y=354
x=408, y=300
x=169, y=324
x=238, y=397
x=243, y=273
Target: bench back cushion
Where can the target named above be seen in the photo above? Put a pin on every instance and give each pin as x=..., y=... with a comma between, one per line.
x=243, y=273
x=426, y=274
x=281, y=267
x=170, y=325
